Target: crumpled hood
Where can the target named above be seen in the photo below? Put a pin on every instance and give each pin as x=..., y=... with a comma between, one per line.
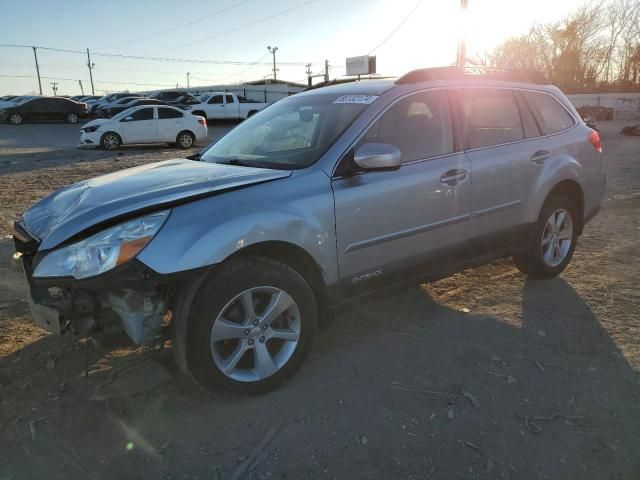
x=80, y=206
x=96, y=123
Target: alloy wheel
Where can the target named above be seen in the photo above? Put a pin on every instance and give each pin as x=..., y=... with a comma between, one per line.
x=72, y=118
x=110, y=142
x=557, y=237
x=255, y=334
x=16, y=119
x=186, y=141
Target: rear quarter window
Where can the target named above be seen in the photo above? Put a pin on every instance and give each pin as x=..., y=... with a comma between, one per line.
x=550, y=115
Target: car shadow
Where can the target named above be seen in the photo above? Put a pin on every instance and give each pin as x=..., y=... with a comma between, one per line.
x=402, y=386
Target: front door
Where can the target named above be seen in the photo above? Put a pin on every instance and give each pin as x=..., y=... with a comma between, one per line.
x=217, y=108
x=139, y=126
x=392, y=225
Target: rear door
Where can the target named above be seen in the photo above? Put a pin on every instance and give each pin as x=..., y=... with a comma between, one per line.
x=169, y=124
x=232, y=108
x=495, y=142
x=139, y=126
x=392, y=225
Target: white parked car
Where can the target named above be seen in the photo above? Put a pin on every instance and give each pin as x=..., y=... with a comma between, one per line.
x=145, y=124
x=226, y=106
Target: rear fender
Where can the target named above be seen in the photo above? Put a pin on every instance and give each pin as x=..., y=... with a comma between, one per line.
x=556, y=169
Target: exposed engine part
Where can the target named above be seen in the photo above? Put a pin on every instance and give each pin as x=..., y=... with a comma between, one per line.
x=141, y=313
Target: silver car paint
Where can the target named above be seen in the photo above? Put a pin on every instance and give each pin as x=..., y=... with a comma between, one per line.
x=382, y=217
x=353, y=227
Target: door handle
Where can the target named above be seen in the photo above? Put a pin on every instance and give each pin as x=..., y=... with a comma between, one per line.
x=453, y=177
x=540, y=156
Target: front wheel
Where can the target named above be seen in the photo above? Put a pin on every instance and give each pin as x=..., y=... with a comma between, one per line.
x=15, y=119
x=554, y=240
x=250, y=327
x=110, y=141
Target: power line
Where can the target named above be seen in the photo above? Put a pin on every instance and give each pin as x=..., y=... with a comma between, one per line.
x=96, y=81
x=393, y=32
x=139, y=39
x=264, y=19
x=248, y=68
x=155, y=59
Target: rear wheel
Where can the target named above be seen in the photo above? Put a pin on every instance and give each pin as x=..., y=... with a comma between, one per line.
x=554, y=240
x=110, y=141
x=71, y=117
x=185, y=140
x=250, y=327
x=15, y=119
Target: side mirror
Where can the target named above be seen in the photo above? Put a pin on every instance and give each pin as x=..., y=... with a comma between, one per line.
x=127, y=119
x=378, y=156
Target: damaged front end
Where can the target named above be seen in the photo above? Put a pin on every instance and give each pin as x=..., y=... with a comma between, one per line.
x=125, y=296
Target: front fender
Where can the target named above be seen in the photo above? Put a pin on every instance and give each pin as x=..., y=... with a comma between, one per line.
x=206, y=232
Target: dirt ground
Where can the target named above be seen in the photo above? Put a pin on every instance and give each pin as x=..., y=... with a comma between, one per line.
x=482, y=375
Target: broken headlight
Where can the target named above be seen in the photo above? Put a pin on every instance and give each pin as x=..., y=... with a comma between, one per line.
x=102, y=251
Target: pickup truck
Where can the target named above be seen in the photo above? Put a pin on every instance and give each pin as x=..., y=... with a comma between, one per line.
x=223, y=106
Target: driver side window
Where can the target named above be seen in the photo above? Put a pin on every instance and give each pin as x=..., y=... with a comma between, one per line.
x=216, y=99
x=418, y=125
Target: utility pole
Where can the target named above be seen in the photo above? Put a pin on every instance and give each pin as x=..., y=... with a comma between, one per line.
x=90, y=65
x=326, y=70
x=188, y=79
x=54, y=87
x=462, y=48
x=37, y=69
x=273, y=52
x=81, y=89
x=307, y=70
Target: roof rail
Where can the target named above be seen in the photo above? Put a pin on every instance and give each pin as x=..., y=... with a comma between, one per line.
x=460, y=73
x=340, y=81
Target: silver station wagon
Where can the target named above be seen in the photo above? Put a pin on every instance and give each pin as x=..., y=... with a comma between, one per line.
x=238, y=253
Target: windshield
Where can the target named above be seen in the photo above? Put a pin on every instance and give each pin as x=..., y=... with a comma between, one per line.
x=292, y=134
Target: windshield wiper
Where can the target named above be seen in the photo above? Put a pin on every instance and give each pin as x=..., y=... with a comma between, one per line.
x=251, y=163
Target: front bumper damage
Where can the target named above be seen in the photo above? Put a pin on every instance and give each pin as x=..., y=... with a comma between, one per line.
x=130, y=298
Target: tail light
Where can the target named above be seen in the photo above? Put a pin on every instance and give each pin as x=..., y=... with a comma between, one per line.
x=594, y=139
x=202, y=121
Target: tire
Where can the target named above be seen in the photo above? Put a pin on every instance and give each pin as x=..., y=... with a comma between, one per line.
x=251, y=113
x=185, y=140
x=110, y=141
x=71, y=117
x=260, y=364
x=16, y=118
x=554, y=239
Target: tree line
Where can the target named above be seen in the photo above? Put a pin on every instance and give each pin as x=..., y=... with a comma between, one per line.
x=595, y=48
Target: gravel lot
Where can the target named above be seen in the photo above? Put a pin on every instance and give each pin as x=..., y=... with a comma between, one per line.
x=482, y=375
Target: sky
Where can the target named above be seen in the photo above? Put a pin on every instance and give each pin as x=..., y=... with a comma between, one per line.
x=403, y=34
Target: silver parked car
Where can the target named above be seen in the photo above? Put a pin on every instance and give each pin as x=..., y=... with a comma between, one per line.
x=323, y=196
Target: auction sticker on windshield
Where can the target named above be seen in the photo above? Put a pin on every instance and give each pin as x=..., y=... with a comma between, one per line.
x=360, y=99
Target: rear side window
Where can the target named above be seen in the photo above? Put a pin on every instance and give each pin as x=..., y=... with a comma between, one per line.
x=552, y=117
x=143, y=114
x=419, y=125
x=490, y=117
x=228, y=99
x=169, y=113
